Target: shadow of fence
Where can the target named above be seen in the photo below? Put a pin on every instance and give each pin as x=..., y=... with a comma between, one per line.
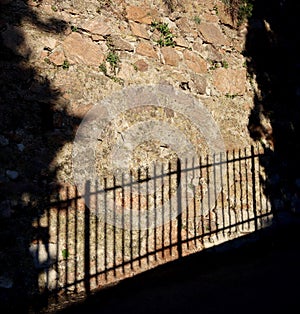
x=127, y=224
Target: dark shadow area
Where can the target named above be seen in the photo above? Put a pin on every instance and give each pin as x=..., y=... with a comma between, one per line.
x=272, y=49
x=30, y=138
x=260, y=276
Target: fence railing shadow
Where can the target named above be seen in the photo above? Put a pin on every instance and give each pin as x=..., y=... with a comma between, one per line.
x=127, y=224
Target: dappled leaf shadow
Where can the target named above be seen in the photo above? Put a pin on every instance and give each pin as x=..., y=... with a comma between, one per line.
x=272, y=49
x=29, y=142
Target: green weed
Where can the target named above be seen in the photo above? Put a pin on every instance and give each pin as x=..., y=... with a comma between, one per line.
x=74, y=28
x=65, y=253
x=225, y=64
x=103, y=68
x=66, y=65
x=166, y=38
x=230, y=96
x=197, y=19
x=239, y=10
x=218, y=64
x=113, y=59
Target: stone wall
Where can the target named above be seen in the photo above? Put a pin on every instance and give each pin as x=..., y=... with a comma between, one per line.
x=60, y=58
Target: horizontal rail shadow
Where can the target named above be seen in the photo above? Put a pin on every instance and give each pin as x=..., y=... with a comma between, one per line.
x=123, y=226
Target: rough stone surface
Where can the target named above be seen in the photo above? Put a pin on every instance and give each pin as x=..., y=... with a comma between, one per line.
x=214, y=54
x=141, y=65
x=48, y=280
x=6, y=282
x=12, y=174
x=184, y=25
x=3, y=140
x=181, y=42
x=98, y=27
x=120, y=44
x=195, y=62
x=13, y=39
x=44, y=111
x=43, y=254
x=170, y=56
x=212, y=34
x=229, y=81
x=199, y=84
x=81, y=50
x=146, y=49
x=57, y=56
x=143, y=15
x=138, y=30
x=224, y=15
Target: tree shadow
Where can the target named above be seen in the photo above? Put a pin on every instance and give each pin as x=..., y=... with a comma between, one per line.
x=29, y=140
x=272, y=51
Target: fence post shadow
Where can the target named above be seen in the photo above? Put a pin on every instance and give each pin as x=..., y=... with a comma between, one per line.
x=179, y=207
x=113, y=252
x=87, y=235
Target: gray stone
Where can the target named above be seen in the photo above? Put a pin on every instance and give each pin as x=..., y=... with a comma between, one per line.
x=12, y=174
x=199, y=84
x=21, y=147
x=5, y=209
x=43, y=255
x=6, y=282
x=120, y=44
x=48, y=279
x=3, y=141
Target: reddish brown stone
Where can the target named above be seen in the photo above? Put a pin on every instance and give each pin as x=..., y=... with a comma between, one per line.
x=138, y=30
x=120, y=44
x=98, y=27
x=81, y=50
x=170, y=56
x=230, y=81
x=212, y=34
x=145, y=49
x=208, y=17
x=97, y=37
x=195, y=62
x=224, y=15
x=141, y=65
x=57, y=56
x=184, y=25
x=143, y=15
x=181, y=42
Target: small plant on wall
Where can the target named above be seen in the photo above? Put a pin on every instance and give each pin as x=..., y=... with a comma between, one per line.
x=239, y=10
x=166, y=38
